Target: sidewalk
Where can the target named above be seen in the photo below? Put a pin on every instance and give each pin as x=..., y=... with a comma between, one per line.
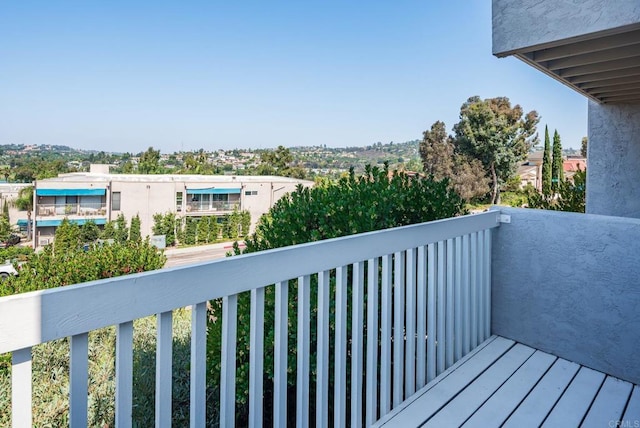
x=172, y=251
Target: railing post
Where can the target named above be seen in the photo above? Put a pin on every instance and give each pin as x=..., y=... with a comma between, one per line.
x=21, y=382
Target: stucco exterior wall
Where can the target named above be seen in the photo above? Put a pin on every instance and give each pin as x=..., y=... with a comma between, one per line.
x=522, y=23
x=569, y=284
x=613, y=176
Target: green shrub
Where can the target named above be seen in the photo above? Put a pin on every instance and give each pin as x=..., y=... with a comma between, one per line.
x=354, y=204
x=570, y=195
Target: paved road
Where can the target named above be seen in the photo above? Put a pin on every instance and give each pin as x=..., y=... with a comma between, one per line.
x=185, y=256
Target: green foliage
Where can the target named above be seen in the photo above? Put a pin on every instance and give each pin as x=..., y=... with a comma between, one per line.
x=245, y=222
x=5, y=228
x=203, y=230
x=570, y=195
x=150, y=162
x=109, y=231
x=166, y=224
x=557, y=172
x=89, y=232
x=15, y=253
x=122, y=231
x=5, y=209
x=583, y=146
x=67, y=238
x=53, y=267
x=354, y=204
x=134, y=231
x=190, y=230
x=546, y=164
x=50, y=366
x=496, y=134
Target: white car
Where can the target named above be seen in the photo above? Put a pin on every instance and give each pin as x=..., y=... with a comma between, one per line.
x=6, y=270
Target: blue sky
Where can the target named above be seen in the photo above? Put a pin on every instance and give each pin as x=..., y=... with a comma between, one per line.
x=184, y=75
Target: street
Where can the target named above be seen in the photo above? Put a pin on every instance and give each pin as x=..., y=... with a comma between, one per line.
x=190, y=255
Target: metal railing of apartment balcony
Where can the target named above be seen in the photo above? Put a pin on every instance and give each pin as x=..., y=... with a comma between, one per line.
x=212, y=206
x=417, y=299
x=90, y=209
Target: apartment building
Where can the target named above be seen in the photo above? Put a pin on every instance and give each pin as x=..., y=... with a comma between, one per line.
x=100, y=197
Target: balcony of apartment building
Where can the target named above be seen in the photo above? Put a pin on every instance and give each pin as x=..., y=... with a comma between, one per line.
x=212, y=201
x=77, y=205
x=512, y=316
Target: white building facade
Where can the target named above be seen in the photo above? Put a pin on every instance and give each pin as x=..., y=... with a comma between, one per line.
x=101, y=197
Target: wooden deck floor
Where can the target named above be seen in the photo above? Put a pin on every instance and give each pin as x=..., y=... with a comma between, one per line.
x=504, y=383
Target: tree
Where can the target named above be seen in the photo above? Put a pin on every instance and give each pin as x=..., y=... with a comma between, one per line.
x=377, y=199
x=89, y=232
x=466, y=175
x=67, y=237
x=149, y=162
x=546, y=164
x=134, y=231
x=557, y=173
x=496, y=134
x=570, y=195
x=24, y=202
x=279, y=161
x=583, y=147
x=122, y=231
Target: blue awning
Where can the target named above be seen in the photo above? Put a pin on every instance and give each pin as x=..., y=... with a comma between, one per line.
x=79, y=222
x=214, y=191
x=71, y=192
x=23, y=222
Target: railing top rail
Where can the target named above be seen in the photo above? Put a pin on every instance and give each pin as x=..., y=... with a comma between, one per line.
x=40, y=316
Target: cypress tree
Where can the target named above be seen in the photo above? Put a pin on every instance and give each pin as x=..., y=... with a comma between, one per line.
x=134, y=230
x=546, y=164
x=557, y=175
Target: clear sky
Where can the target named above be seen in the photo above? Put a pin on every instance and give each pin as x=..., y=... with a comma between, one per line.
x=183, y=75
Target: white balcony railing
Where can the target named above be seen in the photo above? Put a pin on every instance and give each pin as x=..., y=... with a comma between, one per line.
x=91, y=209
x=203, y=206
x=417, y=299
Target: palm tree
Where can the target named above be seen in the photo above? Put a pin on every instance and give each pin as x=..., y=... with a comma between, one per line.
x=24, y=202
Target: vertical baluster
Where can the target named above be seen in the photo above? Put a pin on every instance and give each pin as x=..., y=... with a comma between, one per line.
x=458, y=298
x=164, y=350
x=372, y=342
x=441, y=299
x=450, y=304
x=480, y=284
x=21, y=388
x=322, y=354
x=421, y=330
x=228, y=361
x=78, y=380
x=256, y=357
x=340, y=383
x=487, y=282
x=124, y=374
x=357, y=313
x=410, y=324
x=385, y=337
x=431, y=313
x=281, y=355
x=198, y=375
x=398, y=328
x=303, y=346
x=466, y=293
x=474, y=290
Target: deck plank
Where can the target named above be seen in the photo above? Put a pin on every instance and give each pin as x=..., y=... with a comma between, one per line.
x=609, y=403
x=632, y=412
x=477, y=392
x=438, y=393
x=537, y=405
x=570, y=410
x=497, y=409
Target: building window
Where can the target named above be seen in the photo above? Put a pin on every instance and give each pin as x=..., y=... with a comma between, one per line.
x=250, y=192
x=178, y=201
x=115, y=201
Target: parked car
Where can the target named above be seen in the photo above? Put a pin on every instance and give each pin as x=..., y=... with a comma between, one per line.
x=7, y=270
x=12, y=240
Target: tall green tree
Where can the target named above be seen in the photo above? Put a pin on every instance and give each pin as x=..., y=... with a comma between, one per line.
x=546, y=164
x=583, y=147
x=557, y=173
x=134, y=231
x=149, y=162
x=496, y=134
x=466, y=175
x=122, y=231
x=24, y=202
